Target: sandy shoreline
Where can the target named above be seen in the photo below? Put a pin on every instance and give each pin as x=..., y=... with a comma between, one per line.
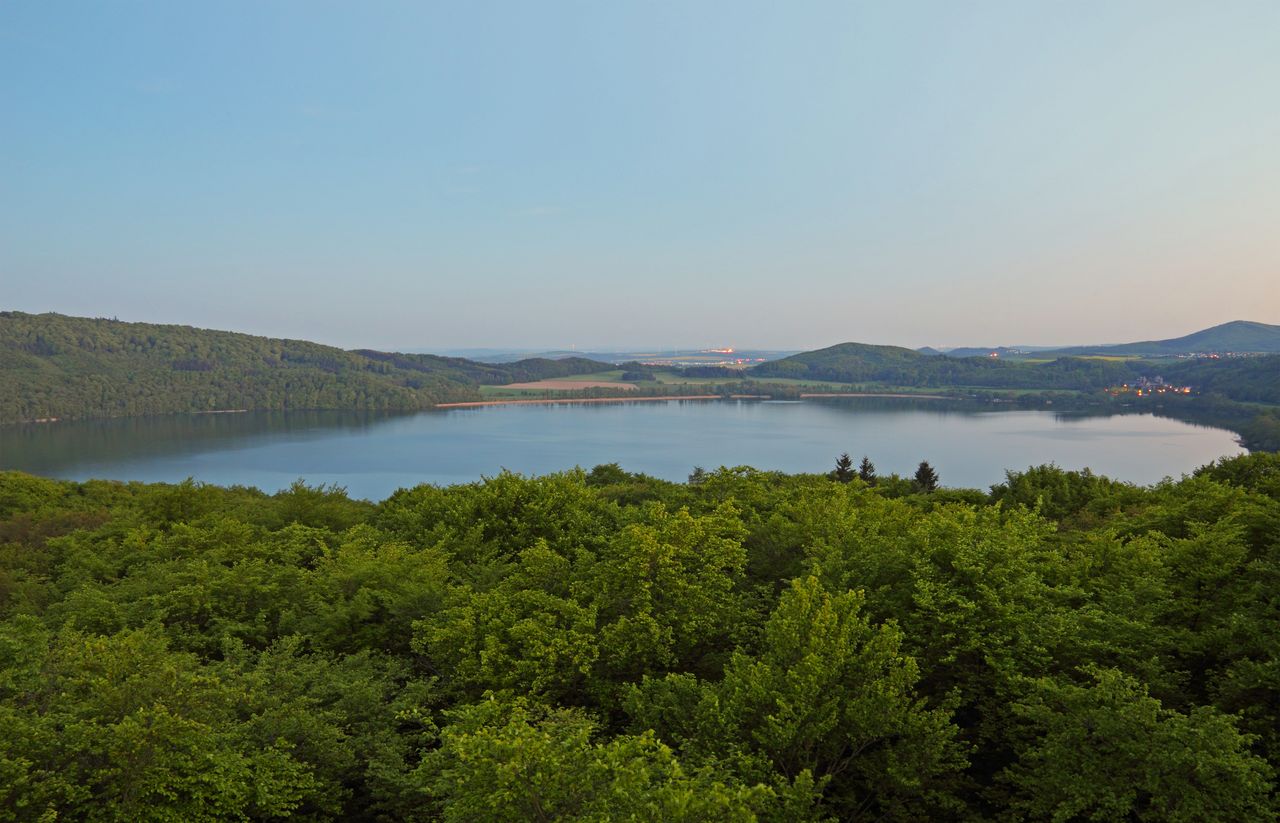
x=542, y=401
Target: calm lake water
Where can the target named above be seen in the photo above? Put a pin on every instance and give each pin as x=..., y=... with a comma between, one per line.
x=373, y=456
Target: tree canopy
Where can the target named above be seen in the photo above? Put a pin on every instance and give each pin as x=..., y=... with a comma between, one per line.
x=607, y=646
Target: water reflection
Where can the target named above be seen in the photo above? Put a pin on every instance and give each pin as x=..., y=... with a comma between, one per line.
x=53, y=448
x=971, y=444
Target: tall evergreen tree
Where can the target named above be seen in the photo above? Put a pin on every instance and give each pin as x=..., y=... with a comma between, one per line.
x=867, y=471
x=926, y=478
x=844, y=468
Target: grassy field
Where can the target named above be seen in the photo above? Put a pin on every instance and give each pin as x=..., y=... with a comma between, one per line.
x=611, y=376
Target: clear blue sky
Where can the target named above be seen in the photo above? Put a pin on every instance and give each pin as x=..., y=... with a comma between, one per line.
x=405, y=175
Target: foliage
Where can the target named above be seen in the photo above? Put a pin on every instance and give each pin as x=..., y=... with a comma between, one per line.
x=607, y=646
x=519, y=762
x=1108, y=751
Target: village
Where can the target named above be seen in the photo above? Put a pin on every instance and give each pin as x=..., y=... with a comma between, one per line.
x=1146, y=387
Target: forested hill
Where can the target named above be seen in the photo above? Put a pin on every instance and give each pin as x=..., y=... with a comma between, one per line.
x=748, y=646
x=54, y=366
x=1236, y=336
x=490, y=374
x=1244, y=379
x=860, y=363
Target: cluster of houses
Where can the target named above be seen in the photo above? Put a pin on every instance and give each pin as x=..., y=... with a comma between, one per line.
x=1145, y=387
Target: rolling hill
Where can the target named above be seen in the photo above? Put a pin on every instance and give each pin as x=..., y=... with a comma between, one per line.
x=844, y=362
x=1240, y=336
x=54, y=366
x=897, y=366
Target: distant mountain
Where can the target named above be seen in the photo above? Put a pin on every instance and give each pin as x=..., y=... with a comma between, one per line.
x=999, y=351
x=54, y=366
x=1241, y=336
x=482, y=355
x=677, y=357
x=975, y=351
x=513, y=355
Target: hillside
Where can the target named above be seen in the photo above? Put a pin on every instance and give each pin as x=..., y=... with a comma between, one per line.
x=1237, y=336
x=844, y=362
x=893, y=365
x=54, y=366
x=1253, y=379
x=1244, y=379
x=488, y=374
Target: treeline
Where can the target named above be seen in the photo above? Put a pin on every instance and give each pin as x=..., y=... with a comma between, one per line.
x=1258, y=427
x=607, y=646
x=489, y=374
x=52, y=366
x=1244, y=379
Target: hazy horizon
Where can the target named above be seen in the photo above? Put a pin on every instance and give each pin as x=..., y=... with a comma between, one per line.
x=461, y=350
x=618, y=176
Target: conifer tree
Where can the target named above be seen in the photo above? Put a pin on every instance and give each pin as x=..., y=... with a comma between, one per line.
x=867, y=471
x=926, y=478
x=844, y=468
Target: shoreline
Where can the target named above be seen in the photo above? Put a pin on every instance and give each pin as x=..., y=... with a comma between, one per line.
x=553, y=400
x=880, y=394
x=559, y=400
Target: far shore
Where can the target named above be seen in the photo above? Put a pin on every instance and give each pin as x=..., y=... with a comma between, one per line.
x=879, y=394
x=540, y=401
x=543, y=401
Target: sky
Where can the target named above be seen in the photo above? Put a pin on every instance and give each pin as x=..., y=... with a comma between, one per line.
x=616, y=174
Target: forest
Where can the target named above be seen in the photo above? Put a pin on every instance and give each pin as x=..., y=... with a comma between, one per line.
x=53, y=366
x=601, y=645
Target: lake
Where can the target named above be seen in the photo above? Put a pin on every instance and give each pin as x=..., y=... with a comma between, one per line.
x=373, y=455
